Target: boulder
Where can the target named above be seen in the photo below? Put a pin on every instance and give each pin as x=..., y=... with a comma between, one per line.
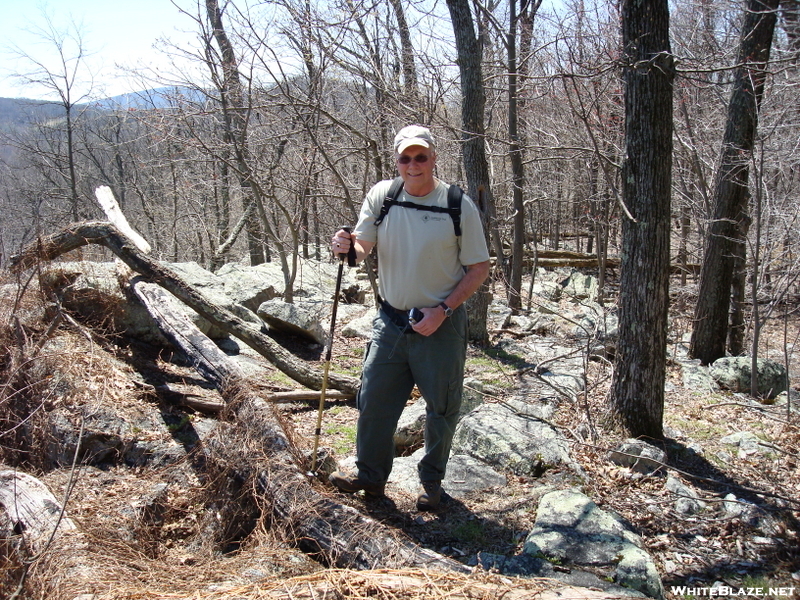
x=464, y=475
x=498, y=315
x=688, y=502
x=510, y=441
x=524, y=565
x=571, y=529
x=292, y=319
x=697, y=377
x=639, y=456
x=251, y=286
x=580, y=287
x=92, y=291
x=546, y=290
x=734, y=373
x=360, y=327
x=748, y=443
x=213, y=289
x=410, y=430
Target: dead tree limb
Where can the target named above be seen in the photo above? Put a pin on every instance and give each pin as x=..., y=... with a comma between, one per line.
x=33, y=510
x=105, y=234
x=205, y=356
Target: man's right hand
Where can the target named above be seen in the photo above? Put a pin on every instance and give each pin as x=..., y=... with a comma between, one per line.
x=341, y=241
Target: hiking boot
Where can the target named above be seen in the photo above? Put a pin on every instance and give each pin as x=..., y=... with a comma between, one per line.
x=350, y=484
x=431, y=496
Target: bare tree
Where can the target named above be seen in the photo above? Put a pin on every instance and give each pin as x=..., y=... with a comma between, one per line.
x=725, y=247
x=60, y=72
x=473, y=147
x=637, y=399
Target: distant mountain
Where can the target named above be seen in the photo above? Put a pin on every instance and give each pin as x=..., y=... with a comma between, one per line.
x=17, y=112
x=148, y=99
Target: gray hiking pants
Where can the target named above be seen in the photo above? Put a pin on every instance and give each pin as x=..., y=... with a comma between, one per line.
x=394, y=362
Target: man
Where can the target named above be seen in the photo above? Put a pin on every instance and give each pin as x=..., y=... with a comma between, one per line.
x=422, y=264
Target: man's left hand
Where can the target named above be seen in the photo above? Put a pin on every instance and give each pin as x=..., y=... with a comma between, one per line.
x=434, y=317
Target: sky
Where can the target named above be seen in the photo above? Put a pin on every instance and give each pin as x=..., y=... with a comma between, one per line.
x=115, y=32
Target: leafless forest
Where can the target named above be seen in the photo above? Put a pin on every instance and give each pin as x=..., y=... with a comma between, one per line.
x=556, y=117
x=298, y=118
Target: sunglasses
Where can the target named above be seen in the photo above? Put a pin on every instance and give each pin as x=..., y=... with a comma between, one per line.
x=404, y=159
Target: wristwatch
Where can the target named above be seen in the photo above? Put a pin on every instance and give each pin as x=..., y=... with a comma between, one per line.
x=447, y=310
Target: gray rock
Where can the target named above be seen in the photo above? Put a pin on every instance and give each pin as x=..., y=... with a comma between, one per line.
x=751, y=514
x=506, y=440
x=111, y=437
x=688, y=502
x=546, y=290
x=92, y=291
x=410, y=430
x=747, y=442
x=734, y=373
x=212, y=288
x=524, y=565
x=697, y=377
x=251, y=286
x=580, y=287
x=360, y=327
x=597, y=324
x=570, y=383
x=640, y=456
x=464, y=475
x=498, y=315
x=292, y=319
x=571, y=529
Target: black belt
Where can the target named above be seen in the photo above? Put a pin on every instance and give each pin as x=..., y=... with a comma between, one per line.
x=398, y=316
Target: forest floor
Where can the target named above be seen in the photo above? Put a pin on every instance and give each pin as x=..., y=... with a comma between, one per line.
x=688, y=550
x=696, y=549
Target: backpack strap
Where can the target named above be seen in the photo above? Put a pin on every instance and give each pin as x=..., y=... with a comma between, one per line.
x=454, y=196
x=391, y=199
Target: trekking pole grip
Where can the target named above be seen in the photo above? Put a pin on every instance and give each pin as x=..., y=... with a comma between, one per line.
x=351, y=253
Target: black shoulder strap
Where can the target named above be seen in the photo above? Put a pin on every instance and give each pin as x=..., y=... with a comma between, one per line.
x=391, y=199
x=454, y=195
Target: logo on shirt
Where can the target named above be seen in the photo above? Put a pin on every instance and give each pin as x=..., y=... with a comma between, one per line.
x=429, y=217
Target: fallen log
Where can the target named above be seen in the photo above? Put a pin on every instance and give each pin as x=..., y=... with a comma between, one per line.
x=303, y=396
x=32, y=509
x=203, y=354
x=106, y=234
x=206, y=402
x=257, y=453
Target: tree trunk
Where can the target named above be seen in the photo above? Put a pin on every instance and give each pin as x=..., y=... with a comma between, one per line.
x=410, y=85
x=235, y=122
x=637, y=399
x=473, y=150
x=517, y=167
x=731, y=195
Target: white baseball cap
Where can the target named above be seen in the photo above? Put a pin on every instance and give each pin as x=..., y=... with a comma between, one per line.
x=413, y=135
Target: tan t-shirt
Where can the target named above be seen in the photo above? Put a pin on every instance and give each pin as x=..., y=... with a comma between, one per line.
x=420, y=258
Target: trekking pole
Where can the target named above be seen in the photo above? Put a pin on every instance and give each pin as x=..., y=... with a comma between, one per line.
x=351, y=261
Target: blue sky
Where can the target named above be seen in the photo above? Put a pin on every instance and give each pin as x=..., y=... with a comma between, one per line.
x=114, y=31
